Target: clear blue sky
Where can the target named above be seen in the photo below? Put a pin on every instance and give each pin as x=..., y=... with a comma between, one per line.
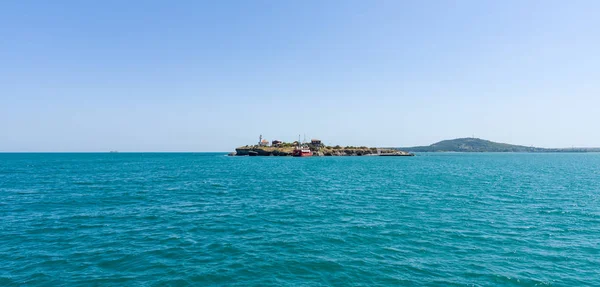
x=212, y=75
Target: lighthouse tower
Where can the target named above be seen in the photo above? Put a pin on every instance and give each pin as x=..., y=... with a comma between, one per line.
x=262, y=142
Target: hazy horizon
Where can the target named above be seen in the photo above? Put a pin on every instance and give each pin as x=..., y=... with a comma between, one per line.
x=250, y=143
x=200, y=76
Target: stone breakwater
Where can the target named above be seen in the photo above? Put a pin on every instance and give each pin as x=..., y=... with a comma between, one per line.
x=343, y=151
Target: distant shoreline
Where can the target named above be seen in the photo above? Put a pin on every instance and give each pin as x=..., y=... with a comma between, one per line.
x=481, y=145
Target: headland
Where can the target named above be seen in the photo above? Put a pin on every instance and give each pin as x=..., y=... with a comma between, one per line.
x=481, y=145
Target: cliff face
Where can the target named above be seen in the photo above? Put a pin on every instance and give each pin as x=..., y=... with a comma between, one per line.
x=264, y=151
x=328, y=151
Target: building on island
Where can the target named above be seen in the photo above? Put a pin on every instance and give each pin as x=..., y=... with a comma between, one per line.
x=316, y=145
x=276, y=143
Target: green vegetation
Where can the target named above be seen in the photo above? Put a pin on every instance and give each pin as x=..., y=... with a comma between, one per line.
x=480, y=145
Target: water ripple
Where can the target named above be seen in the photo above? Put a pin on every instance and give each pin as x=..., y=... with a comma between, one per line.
x=206, y=219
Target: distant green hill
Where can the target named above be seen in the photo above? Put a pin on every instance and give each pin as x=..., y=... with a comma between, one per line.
x=480, y=145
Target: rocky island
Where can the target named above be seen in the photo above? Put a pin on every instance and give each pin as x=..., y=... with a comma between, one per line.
x=316, y=147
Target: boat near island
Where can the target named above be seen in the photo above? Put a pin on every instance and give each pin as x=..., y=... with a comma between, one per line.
x=302, y=151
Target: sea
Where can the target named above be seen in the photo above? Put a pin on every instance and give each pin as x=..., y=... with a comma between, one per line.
x=206, y=219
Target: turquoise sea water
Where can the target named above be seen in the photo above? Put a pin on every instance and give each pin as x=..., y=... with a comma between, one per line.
x=211, y=220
